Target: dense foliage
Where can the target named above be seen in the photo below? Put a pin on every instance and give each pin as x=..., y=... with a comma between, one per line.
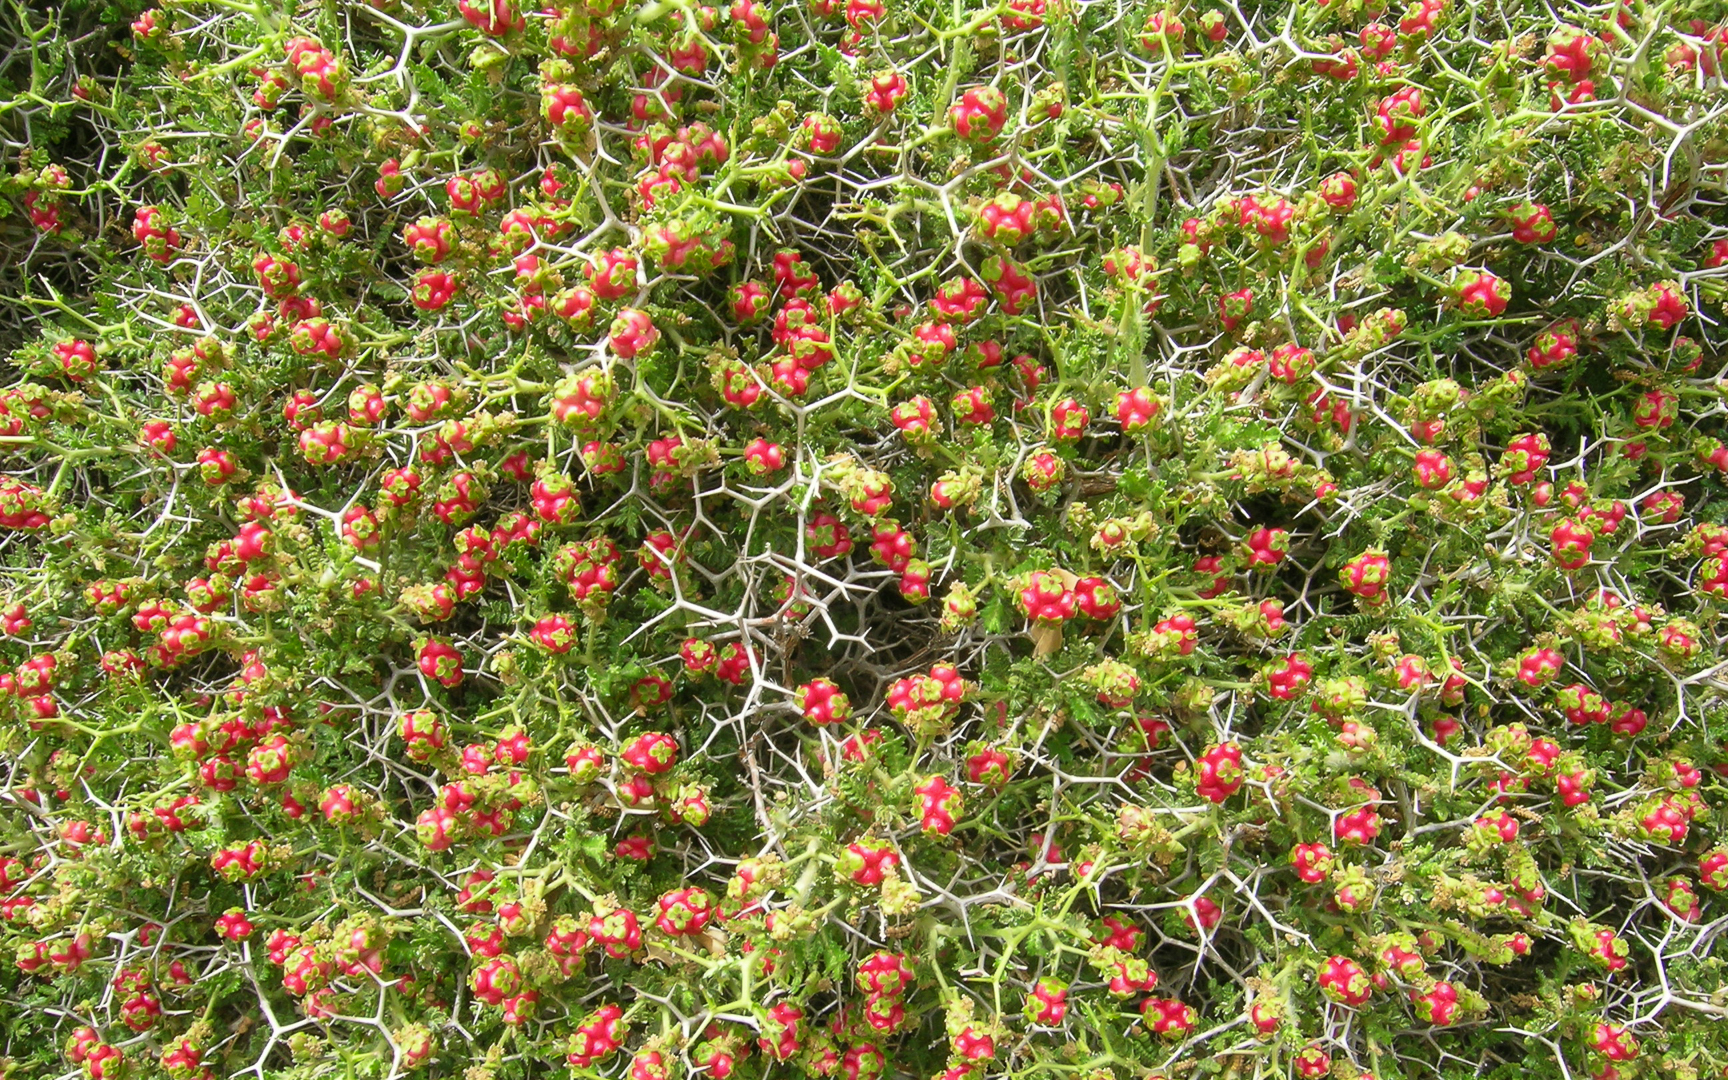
x=853, y=538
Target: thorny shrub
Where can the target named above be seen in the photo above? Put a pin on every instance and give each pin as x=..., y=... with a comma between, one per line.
x=1040, y=538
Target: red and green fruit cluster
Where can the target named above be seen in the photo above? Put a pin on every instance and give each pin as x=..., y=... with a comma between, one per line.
x=863, y=538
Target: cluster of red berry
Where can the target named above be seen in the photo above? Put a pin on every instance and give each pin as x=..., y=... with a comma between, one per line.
x=843, y=538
